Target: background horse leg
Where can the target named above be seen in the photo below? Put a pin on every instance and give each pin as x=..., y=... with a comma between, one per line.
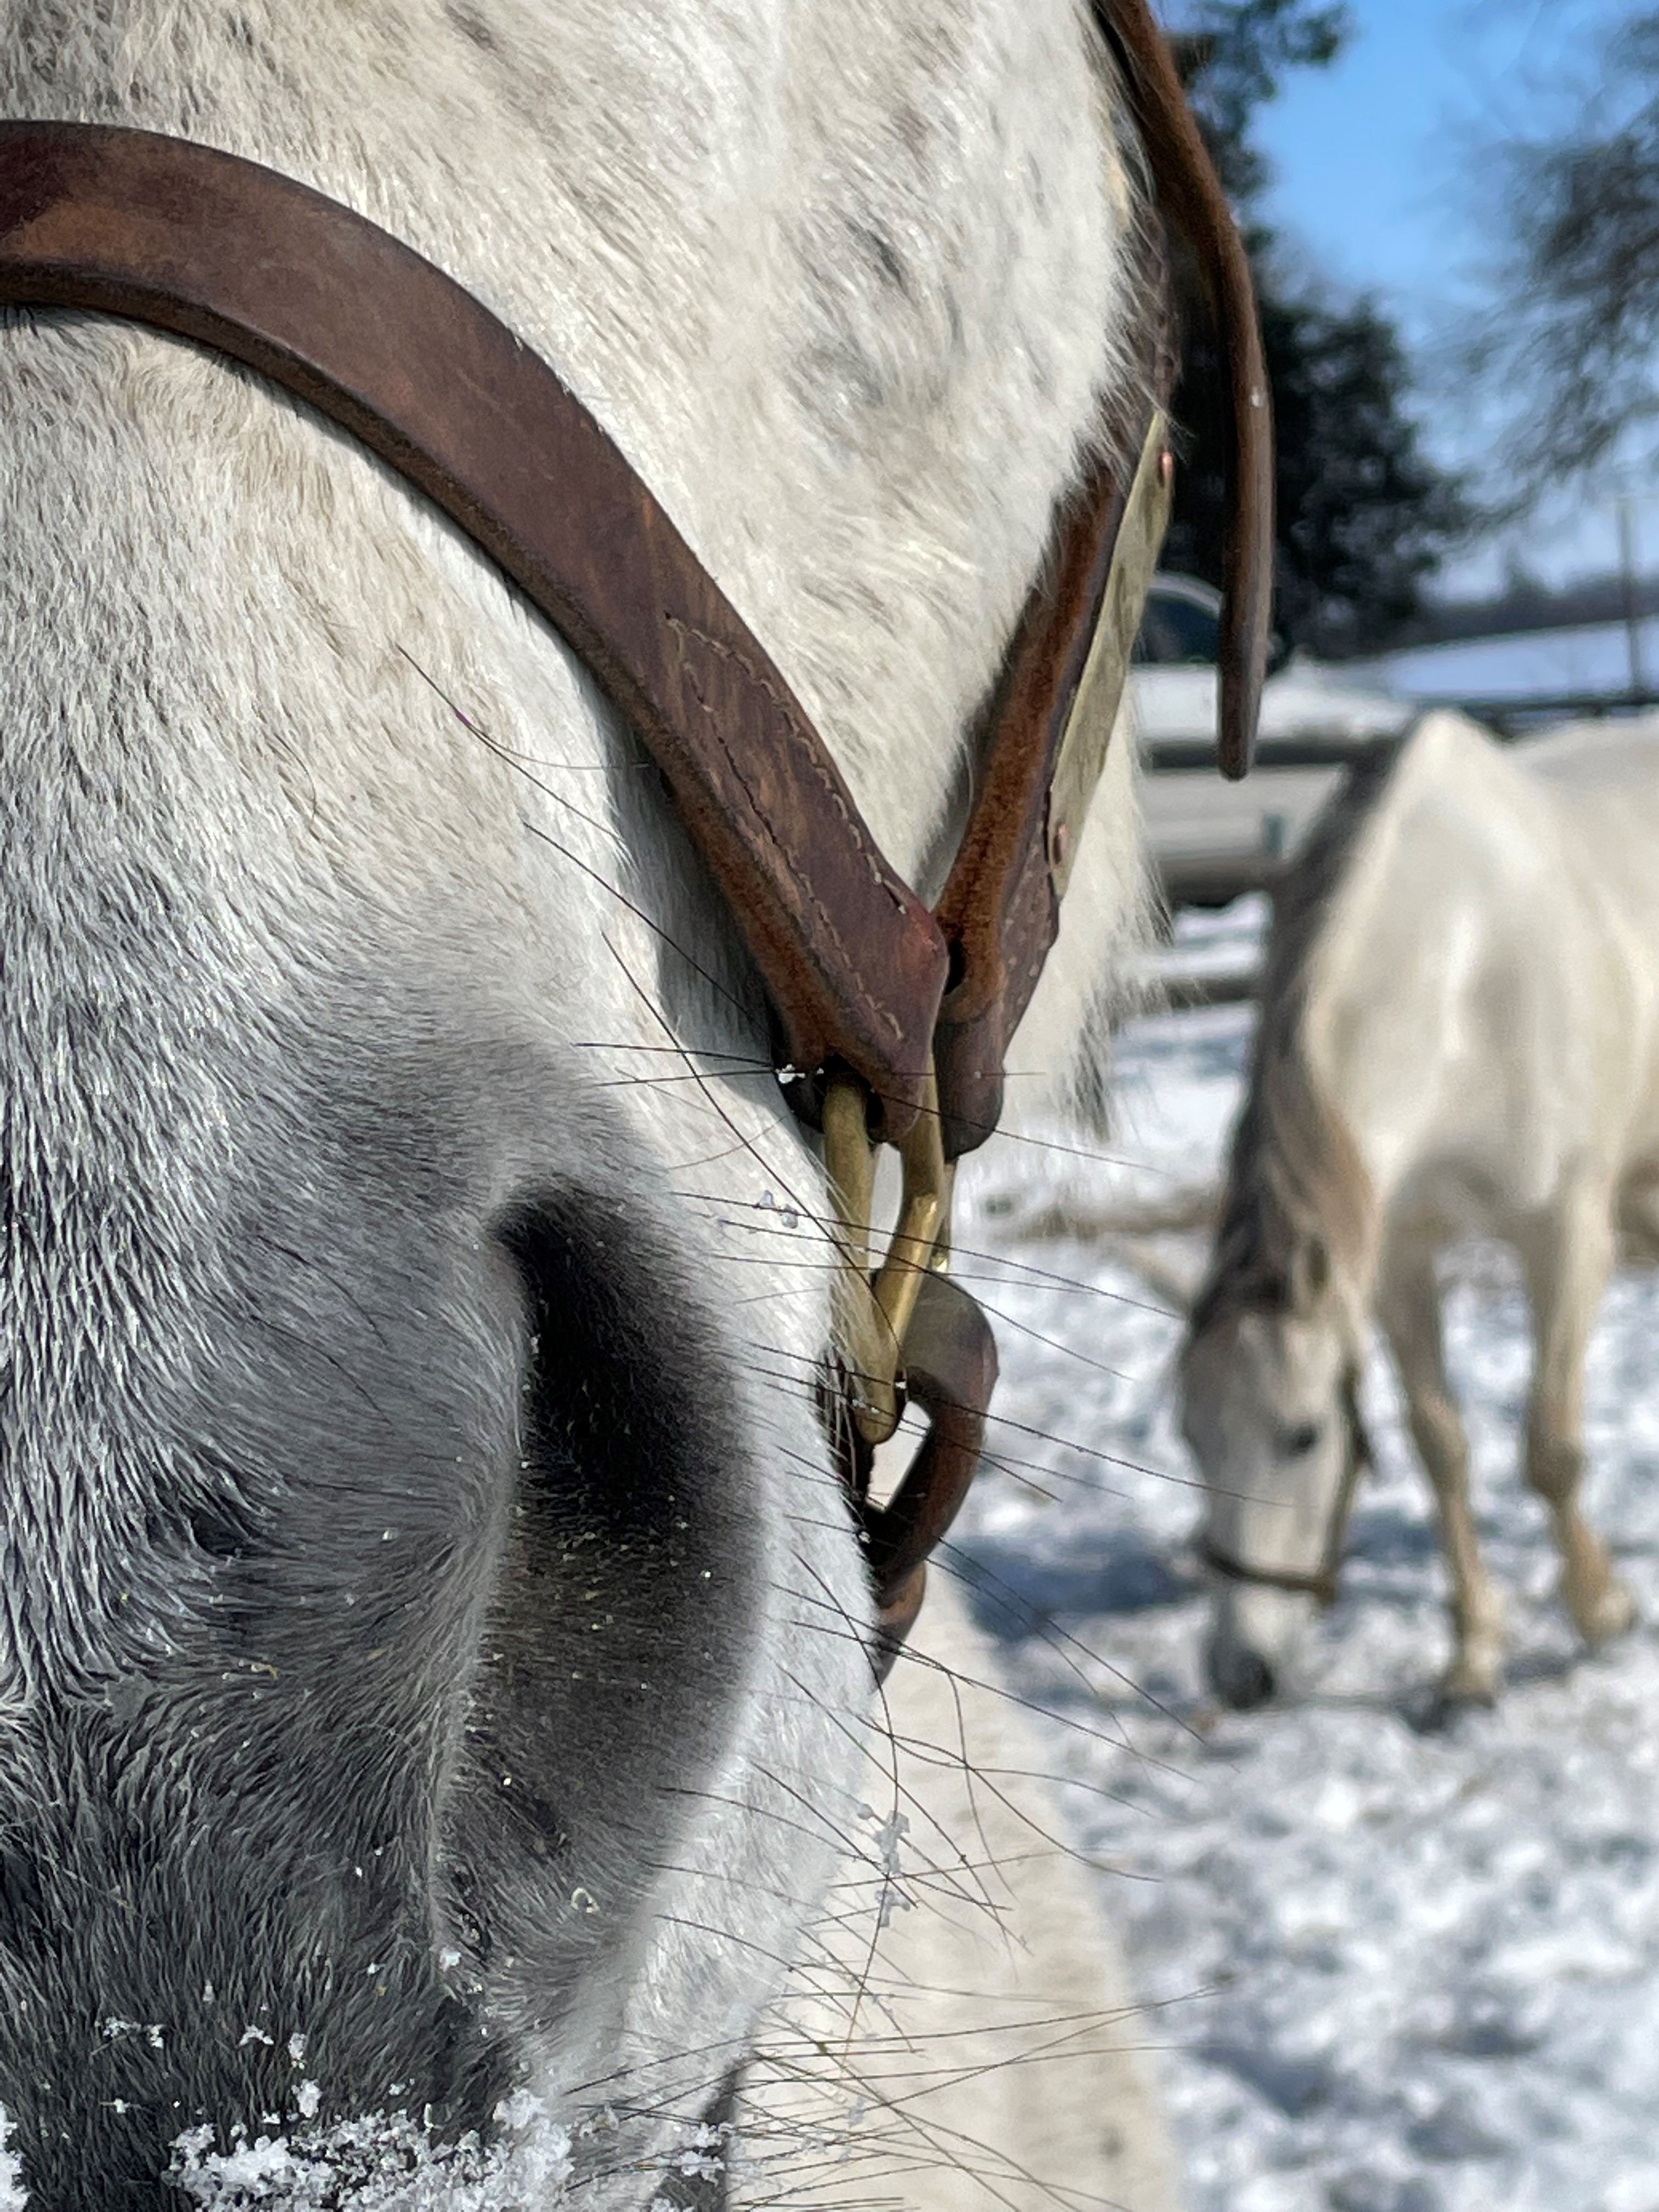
x=1568, y=1260
x=1638, y=1218
x=1408, y=1307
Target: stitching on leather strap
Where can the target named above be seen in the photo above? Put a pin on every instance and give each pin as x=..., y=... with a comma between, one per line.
x=803, y=875
x=880, y=874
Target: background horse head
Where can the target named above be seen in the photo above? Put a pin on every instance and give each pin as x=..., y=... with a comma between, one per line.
x=1269, y=1365
x=432, y=1635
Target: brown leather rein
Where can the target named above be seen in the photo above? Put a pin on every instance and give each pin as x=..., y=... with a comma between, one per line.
x=237, y=258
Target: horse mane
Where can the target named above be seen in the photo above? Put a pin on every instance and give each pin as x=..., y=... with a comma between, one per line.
x=1295, y=1184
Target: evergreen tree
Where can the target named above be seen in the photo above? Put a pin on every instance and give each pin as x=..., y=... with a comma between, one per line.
x=1364, y=518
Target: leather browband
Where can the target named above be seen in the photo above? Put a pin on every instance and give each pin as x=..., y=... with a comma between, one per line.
x=334, y=309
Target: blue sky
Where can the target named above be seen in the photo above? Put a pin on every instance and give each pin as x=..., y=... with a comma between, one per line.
x=1378, y=182
x=1371, y=152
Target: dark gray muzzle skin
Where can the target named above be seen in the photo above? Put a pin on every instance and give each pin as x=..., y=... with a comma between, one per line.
x=409, y=1603
x=1241, y=1678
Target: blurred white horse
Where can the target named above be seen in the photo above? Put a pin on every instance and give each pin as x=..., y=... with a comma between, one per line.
x=432, y=1643
x=1459, y=1033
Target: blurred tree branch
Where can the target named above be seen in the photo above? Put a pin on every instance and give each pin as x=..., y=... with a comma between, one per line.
x=1569, y=345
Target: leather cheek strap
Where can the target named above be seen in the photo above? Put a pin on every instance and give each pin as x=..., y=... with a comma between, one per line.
x=1061, y=685
x=1191, y=196
x=1052, y=723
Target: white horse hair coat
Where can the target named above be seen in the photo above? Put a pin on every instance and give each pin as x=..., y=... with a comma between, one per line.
x=1459, y=1034
x=430, y=1629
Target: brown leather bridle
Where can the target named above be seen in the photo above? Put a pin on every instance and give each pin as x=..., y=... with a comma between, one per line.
x=893, y=1021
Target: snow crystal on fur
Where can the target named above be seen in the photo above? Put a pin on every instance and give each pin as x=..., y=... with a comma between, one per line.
x=378, y=2163
x=13, y=2197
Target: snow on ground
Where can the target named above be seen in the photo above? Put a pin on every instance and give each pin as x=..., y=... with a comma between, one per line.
x=1394, y=1971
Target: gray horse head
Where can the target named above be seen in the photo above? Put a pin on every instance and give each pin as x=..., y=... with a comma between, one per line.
x=432, y=1633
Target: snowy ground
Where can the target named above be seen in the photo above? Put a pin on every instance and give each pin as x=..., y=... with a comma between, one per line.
x=1397, y=1971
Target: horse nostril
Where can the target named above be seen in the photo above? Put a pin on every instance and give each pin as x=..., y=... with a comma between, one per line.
x=1241, y=1678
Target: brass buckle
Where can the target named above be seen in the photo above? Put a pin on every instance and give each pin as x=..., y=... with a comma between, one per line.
x=872, y=1317
x=905, y=1332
